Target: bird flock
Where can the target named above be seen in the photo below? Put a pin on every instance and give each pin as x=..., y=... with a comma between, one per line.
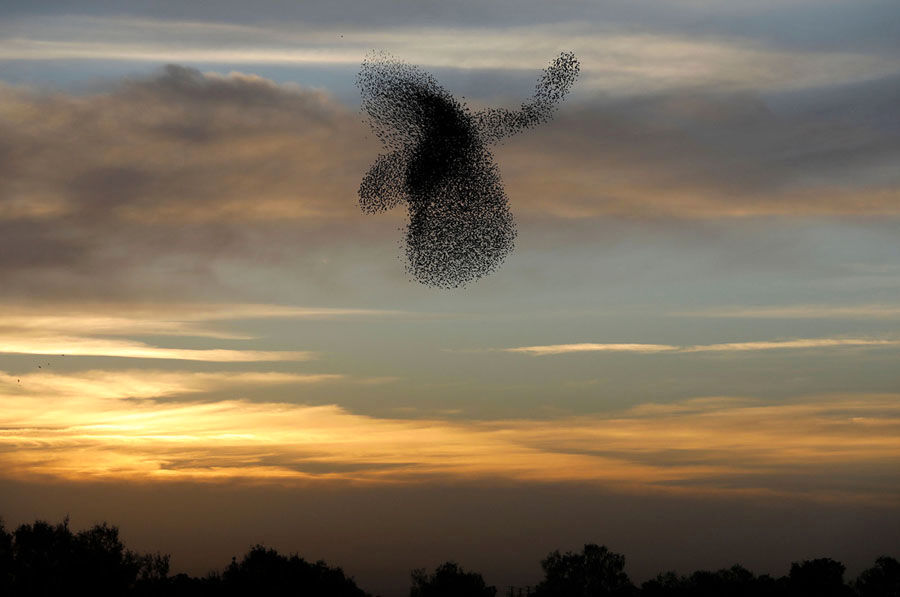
x=437, y=161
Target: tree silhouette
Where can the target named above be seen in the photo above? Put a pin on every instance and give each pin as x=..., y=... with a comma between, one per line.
x=153, y=575
x=51, y=559
x=736, y=581
x=102, y=560
x=666, y=584
x=595, y=571
x=822, y=577
x=6, y=560
x=881, y=580
x=42, y=559
x=265, y=571
x=449, y=580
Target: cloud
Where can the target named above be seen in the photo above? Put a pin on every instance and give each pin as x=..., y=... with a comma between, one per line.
x=157, y=185
x=207, y=151
x=800, y=312
x=566, y=348
x=617, y=60
x=77, y=429
x=60, y=388
x=159, y=319
x=181, y=145
x=803, y=343
x=702, y=153
x=96, y=329
x=838, y=24
x=109, y=191
x=793, y=344
x=98, y=347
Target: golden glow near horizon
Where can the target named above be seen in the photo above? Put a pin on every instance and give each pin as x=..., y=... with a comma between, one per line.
x=148, y=424
x=111, y=425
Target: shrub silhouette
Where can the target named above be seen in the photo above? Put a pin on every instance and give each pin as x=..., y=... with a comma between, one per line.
x=449, y=580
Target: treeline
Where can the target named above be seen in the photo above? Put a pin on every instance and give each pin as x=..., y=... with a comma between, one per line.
x=46, y=559
x=43, y=559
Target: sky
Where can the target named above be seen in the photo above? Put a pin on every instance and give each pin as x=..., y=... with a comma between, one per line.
x=690, y=356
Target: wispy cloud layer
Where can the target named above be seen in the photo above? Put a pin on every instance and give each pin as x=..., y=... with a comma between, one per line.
x=614, y=61
x=592, y=347
x=90, y=426
x=94, y=330
x=793, y=344
x=75, y=346
x=160, y=319
x=801, y=343
x=127, y=384
x=801, y=312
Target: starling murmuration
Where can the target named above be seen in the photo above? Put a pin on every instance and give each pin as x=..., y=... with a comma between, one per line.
x=437, y=161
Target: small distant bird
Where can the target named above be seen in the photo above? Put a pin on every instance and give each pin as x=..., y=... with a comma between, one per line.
x=438, y=163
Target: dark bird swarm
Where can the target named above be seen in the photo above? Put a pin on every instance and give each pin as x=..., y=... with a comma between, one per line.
x=437, y=161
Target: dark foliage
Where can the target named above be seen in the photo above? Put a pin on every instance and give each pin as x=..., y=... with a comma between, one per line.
x=43, y=559
x=265, y=571
x=6, y=560
x=449, y=580
x=736, y=581
x=822, y=577
x=881, y=580
x=594, y=571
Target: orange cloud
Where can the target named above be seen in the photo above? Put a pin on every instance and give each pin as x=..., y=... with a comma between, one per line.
x=76, y=428
x=85, y=331
x=75, y=346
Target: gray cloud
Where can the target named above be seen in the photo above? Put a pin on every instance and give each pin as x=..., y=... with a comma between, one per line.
x=159, y=181
x=178, y=167
x=788, y=23
x=619, y=57
x=695, y=153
